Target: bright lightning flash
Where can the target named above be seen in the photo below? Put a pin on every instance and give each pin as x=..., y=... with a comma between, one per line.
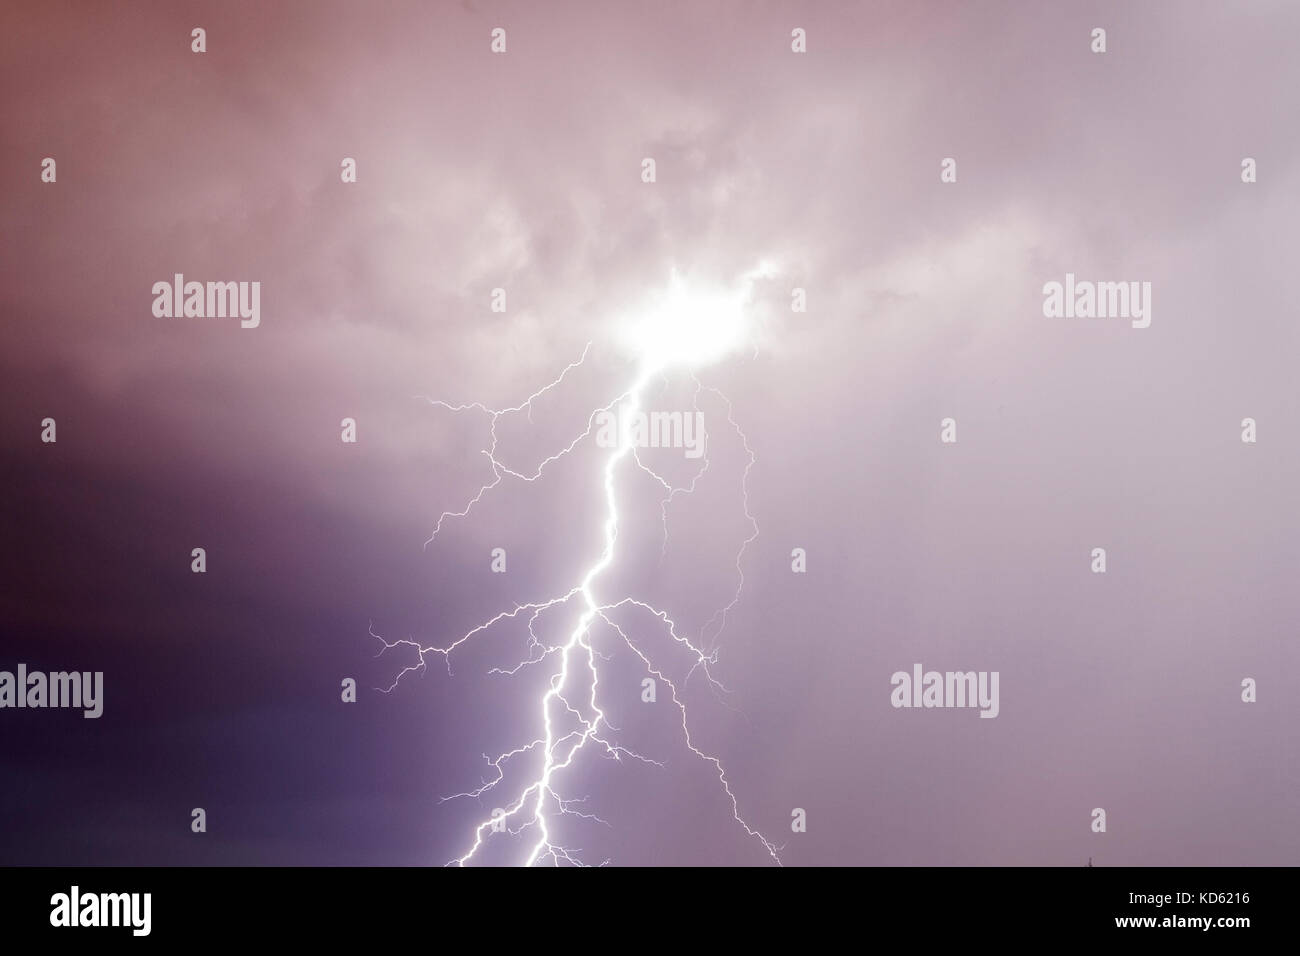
x=679, y=329
x=686, y=327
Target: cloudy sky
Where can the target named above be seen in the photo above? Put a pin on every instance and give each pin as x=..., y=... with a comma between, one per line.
x=523, y=171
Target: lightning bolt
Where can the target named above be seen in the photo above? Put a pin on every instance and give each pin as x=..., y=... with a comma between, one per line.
x=571, y=718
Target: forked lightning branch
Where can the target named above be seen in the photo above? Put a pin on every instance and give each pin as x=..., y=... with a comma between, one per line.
x=679, y=332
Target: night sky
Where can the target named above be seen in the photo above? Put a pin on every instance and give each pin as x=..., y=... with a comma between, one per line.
x=523, y=171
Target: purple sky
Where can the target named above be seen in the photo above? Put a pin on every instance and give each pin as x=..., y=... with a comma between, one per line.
x=522, y=171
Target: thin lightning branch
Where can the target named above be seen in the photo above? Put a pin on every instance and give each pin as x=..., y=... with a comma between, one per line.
x=684, y=489
x=721, y=615
x=571, y=718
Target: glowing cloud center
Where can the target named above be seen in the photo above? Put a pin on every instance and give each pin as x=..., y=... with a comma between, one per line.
x=686, y=326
